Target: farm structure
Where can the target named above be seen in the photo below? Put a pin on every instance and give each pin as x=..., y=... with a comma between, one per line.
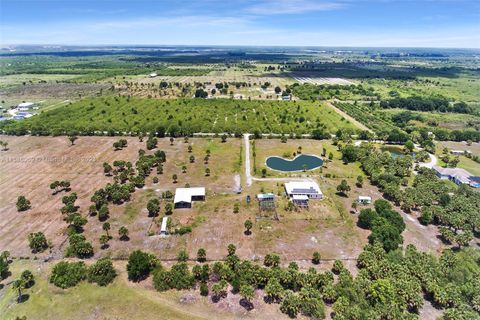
x=300, y=200
x=163, y=228
x=364, y=199
x=185, y=196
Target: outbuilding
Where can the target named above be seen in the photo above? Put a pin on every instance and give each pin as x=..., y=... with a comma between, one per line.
x=300, y=200
x=185, y=196
x=364, y=199
x=163, y=228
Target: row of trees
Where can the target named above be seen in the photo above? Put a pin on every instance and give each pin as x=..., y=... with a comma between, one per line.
x=389, y=285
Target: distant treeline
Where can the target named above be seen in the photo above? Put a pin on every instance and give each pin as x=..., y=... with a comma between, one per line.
x=427, y=104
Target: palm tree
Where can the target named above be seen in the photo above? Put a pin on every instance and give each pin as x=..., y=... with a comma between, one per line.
x=205, y=160
x=72, y=139
x=171, y=141
x=190, y=148
x=123, y=232
x=248, y=225
x=184, y=169
x=106, y=227
x=192, y=159
x=207, y=172
x=174, y=177
x=18, y=285
x=104, y=240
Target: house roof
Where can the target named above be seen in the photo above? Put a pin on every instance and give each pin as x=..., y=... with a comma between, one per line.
x=186, y=194
x=364, y=198
x=302, y=187
x=265, y=196
x=25, y=104
x=461, y=175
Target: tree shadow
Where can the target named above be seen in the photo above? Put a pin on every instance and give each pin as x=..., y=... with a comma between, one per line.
x=248, y=305
x=23, y=298
x=247, y=232
x=105, y=246
x=124, y=238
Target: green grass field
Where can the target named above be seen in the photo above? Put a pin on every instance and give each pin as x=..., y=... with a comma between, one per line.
x=119, y=300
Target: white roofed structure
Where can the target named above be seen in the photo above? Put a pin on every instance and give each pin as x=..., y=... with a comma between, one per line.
x=26, y=105
x=184, y=196
x=163, y=228
x=303, y=188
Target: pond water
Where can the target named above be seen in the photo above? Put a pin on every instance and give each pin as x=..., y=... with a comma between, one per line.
x=300, y=163
x=396, y=152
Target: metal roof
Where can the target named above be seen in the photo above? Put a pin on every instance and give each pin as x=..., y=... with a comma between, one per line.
x=186, y=194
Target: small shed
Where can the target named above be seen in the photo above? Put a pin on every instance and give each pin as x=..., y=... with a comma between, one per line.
x=163, y=228
x=364, y=199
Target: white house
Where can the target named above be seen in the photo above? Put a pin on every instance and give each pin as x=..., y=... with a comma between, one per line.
x=364, y=199
x=305, y=188
x=457, y=175
x=185, y=196
x=163, y=228
x=25, y=106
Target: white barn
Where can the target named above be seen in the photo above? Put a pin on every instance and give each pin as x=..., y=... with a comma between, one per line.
x=303, y=188
x=185, y=196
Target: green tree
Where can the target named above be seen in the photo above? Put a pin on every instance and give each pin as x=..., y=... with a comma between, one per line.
x=101, y=272
x=106, y=228
x=291, y=304
x=231, y=248
x=123, y=233
x=182, y=256
x=23, y=204
x=201, y=255
x=316, y=257
x=174, y=178
x=72, y=139
x=248, y=226
x=247, y=292
x=139, y=265
x=68, y=274
x=343, y=187
x=27, y=278
x=274, y=290
x=153, y=207
x=37, y=242
x=104, y=240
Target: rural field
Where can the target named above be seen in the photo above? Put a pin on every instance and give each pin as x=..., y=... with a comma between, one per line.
x=95, y=141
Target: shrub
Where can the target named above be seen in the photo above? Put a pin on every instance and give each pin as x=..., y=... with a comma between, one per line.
x=23, y=204
x=101, y=272
x=426, y=217
x=316, y=257
x=179, y=277
x=37, y=242
x=291, y=304
x=79, y=247
x=139, y=265
x=68, y=274
x=203, y=289
x=182, y=256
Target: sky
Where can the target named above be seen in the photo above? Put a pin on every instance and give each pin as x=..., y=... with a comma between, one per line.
x=355, y=23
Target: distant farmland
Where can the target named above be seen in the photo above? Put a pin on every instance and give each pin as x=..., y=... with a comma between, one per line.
x=120, y=114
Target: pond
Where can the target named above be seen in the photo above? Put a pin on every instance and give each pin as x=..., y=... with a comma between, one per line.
x=299, y=163
x=396, y=152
